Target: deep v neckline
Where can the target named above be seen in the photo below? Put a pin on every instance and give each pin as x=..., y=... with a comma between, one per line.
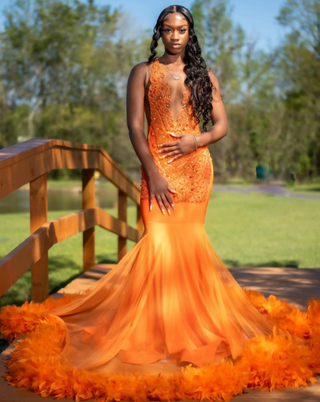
x=184, y=101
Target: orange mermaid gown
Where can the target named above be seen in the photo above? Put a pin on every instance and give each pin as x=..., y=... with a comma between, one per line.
x=169, y=321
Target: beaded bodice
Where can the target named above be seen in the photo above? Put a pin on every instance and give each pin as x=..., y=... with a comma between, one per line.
x=190, y=175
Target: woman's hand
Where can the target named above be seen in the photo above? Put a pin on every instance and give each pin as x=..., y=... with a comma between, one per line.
x=159, y=188
x=185, y=145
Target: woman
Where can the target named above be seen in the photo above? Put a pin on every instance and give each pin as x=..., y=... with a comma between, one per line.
x=174, y=91
x=170, y=311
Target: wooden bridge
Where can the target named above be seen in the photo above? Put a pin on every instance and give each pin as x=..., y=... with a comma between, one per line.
x=29, y=162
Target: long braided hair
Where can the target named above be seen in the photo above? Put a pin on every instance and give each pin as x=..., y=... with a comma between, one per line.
x=197, y=79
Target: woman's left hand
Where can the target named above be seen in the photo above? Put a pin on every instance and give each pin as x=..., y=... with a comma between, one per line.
x=185, y=145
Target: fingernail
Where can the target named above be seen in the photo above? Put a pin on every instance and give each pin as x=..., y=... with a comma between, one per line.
x=170, y=160
x=172, y=206
x=163, y=212
x=169, y=212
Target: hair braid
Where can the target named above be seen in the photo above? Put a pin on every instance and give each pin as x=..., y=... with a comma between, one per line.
x=153, y=46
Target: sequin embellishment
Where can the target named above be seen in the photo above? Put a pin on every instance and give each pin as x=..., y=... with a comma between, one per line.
x=191, y=174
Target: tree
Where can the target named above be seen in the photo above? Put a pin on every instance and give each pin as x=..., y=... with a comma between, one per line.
x=299, y=66
x=58, y=61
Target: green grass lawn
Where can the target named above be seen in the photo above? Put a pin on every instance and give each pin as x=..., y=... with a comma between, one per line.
x=244, y=230
x=258, y=229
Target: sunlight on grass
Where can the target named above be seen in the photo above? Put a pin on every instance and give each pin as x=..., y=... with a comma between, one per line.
x=262, y=230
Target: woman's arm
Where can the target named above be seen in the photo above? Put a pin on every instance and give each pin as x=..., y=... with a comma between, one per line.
x=218, y=115
x=158, y=185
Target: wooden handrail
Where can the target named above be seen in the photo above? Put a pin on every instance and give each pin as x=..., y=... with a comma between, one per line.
x=22, y=163
x=29, y=162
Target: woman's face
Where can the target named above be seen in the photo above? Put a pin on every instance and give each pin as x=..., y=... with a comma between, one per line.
x=175, y=32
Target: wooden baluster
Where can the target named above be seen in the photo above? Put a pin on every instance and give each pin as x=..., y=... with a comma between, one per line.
x=122, y=215
x=139, y=225
x=88, y=201
x=39, y=216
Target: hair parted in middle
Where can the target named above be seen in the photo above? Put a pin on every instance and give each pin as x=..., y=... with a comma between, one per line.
x=196, y=70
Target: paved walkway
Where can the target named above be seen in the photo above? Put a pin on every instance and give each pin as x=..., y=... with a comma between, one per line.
x=295, y=285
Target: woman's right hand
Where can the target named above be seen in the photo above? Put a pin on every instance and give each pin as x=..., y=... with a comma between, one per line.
x=159, y=188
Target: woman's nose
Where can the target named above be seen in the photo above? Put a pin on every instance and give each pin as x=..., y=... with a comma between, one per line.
x=175, y=35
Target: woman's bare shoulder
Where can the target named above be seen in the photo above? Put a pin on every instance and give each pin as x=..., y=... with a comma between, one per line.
x=141, y=69
x=141, y=72
x=212, y=76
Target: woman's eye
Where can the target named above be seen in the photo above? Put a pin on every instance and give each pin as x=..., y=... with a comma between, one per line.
x=181, y=31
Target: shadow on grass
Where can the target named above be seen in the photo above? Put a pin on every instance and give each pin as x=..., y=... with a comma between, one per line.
x=315, y=189
x=58, y=265
x=275, y=264
x=110, y=259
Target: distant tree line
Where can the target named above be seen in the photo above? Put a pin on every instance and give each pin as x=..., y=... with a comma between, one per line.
x=64, y=67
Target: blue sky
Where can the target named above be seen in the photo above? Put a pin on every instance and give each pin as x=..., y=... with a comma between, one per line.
x=257, y=17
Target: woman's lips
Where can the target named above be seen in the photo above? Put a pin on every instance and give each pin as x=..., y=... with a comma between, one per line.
x=176, y=45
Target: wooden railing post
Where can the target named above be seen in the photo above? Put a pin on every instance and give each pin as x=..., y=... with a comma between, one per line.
x=122, y=215
x=88, y=201
x=39, y=216
x=139, y=225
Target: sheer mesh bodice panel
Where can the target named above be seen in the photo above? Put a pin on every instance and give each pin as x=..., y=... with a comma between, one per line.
x=191, y=174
